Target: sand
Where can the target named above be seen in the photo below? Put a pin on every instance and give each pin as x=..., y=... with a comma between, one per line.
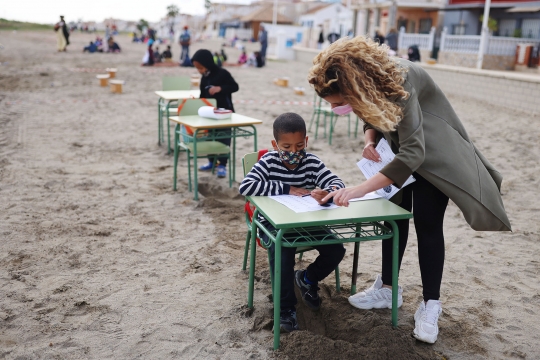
x=100, y=259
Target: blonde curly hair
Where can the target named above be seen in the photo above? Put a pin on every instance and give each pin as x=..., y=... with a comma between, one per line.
x=361, y=71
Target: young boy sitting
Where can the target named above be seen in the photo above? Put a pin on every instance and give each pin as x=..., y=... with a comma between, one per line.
x=293, y=171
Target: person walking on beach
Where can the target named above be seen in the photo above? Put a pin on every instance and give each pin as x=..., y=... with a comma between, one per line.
x=263, y=39
x=185, y=41
x=62, y=34
x=399, y=101
x=320, y=41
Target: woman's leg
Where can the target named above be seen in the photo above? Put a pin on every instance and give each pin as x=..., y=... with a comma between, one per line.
x=429, y=207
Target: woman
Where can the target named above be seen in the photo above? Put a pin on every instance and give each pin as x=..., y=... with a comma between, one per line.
x=62, y=35
x=398, y=100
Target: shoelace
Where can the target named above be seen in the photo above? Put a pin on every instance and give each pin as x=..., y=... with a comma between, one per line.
x=431, y=316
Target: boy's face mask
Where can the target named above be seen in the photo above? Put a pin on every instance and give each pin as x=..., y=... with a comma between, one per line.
x=292, y=157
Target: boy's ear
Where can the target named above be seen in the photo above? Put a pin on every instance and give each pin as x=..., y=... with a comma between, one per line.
x=274, y=145
x=307, y=137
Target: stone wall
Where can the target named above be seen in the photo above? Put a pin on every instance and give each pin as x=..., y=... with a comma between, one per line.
x=513, y=90
x=491, y=62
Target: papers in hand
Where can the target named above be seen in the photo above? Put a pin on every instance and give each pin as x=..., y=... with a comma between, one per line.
x=212, y=113
x=370, y=168
x=300, y=204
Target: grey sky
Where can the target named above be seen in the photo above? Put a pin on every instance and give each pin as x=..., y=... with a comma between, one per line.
x=48, y=11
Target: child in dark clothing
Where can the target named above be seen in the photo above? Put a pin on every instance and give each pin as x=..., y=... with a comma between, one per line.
x=291, y=170
x=167, y=55
x=216, y=83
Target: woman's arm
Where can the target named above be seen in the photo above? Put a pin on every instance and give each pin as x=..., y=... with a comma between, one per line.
x=342, y=196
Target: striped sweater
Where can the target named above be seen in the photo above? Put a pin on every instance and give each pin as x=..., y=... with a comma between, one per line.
x=270, y=177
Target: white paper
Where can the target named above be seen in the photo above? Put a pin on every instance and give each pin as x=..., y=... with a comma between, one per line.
x=300, y=204
x=370, y=168
x=369, y=196
x=208, y=112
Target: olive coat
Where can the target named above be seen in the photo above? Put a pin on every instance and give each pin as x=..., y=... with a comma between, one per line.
x=431, y=140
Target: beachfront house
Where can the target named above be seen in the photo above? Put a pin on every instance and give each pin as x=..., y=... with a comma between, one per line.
x=328, y=17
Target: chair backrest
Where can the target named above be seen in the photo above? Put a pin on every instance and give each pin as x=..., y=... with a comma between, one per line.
x=191, y=106
x=251, y=159
x=169, y=83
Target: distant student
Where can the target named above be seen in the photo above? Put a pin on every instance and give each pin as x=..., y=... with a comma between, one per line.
x=91, y=48
x=167, y=54
x=243, y=58
x=216, y=83
x=291, y=170
x=259, y=59
x=157, y=55
x=218, y=59
x=148, y=59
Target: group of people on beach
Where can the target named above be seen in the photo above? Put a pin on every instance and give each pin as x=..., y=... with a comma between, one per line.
x=398, y=101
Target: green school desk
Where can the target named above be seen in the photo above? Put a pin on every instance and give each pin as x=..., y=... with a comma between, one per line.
x=240, y=125
x=361, y=221
x=168, y=99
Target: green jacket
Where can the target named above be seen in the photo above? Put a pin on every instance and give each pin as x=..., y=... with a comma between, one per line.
x=431, y=140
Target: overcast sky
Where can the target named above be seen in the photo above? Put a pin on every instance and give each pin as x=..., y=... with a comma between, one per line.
x=48, y=11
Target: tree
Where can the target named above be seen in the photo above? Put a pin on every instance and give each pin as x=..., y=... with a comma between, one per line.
x=172, y=11
x=208, y=6
x=492, y=23
x=142, y=24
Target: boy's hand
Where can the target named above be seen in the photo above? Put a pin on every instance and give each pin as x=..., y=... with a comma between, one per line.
x=319, y=195
x=214, y=90
x=298, y=191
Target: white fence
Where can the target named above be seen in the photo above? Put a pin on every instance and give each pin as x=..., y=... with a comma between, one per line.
x=470, y=44
x=423, y=41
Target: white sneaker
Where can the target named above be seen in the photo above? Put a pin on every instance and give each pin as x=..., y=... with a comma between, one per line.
x=376, y=297
x=426, y=328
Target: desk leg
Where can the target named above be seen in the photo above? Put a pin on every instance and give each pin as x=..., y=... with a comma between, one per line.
x=395, y=262
x=168, y=130
x=276, y=296
x=195, y=165
x=355, y=267
x=233, y=160
x=252, y=254
x=254, y=138
x=159, y=122
x=176, y=139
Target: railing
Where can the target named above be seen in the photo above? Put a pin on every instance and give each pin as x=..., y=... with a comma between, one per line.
x=423, y=41
x=470, y=44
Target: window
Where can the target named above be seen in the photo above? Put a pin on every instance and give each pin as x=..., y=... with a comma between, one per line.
x=507, y=27
x=425, y=26
x=401, y=23
x=530, y=28
x=459, y=29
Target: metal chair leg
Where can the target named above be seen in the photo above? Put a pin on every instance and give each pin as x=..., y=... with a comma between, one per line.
x=338, y=284
x=246, y=249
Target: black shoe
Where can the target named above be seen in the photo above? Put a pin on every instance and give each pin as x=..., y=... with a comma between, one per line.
x=287, y=321
x=309, y=292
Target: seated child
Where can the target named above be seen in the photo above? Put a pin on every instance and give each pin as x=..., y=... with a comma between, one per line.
x=291, y=170
x=90, y=48
x=243, y=58
x=157, y=55
x=167, y=54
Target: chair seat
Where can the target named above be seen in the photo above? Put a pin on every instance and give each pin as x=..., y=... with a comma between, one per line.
x=208, y=148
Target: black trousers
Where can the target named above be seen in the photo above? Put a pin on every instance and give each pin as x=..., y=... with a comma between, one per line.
x=428, y=205
x=329, y=258
x=226, y=141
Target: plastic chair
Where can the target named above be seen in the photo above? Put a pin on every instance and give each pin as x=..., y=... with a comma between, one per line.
x=204, y=148
x=248, y=162
x=318, y=109
x=171, y=83
x=334, y=120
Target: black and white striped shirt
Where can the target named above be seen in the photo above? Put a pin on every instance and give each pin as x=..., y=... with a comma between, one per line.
x=270, y=177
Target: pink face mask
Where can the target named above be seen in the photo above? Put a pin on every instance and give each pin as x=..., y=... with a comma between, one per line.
x=343, y=110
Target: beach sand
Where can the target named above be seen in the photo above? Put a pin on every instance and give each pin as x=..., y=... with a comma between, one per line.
x=100, y=259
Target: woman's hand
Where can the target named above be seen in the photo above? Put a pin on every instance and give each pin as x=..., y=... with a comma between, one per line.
x=370, y=153
x=298, y=191
x=342, y=196
x=319, y=195
x=214, y=90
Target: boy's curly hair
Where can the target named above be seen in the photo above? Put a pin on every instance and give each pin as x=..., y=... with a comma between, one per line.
x=365, y=76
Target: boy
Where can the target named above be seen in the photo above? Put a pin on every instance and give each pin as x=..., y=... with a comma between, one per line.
x=216, y=83
x=291, y=170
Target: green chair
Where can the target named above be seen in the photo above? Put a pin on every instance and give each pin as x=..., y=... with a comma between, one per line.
x=334, y=120
x=248, y=162
x=204, y=148
x=170, y=83
x=319, y=109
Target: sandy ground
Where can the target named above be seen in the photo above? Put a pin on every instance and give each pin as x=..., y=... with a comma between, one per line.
x=100, y=259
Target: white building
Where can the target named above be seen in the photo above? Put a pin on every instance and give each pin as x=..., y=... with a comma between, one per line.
x=333, y=17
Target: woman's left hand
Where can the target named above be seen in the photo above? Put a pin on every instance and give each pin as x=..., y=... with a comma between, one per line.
x=342, y=196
